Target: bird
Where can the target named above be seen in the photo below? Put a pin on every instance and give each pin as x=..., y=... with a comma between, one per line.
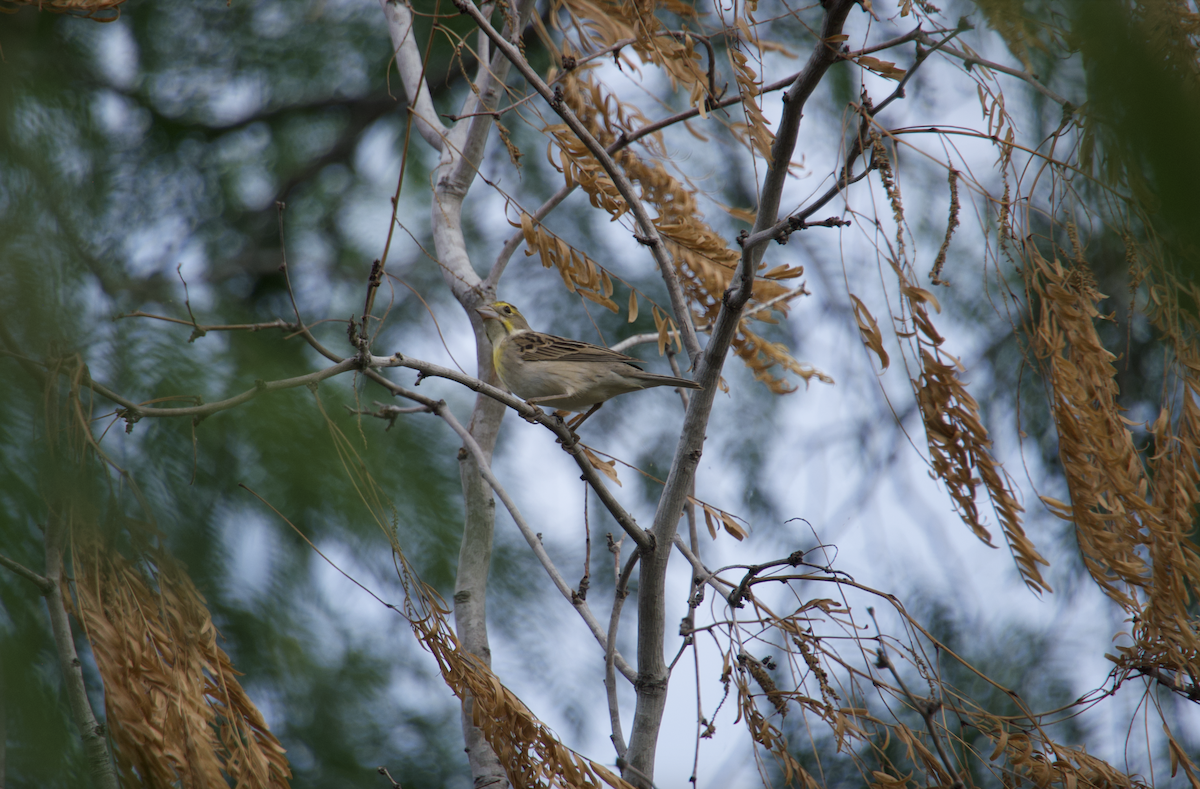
x=559, y=372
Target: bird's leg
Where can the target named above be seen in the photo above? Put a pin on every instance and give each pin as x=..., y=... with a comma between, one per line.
x=577, y=421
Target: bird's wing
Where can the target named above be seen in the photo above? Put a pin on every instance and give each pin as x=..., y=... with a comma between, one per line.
x=537, y=347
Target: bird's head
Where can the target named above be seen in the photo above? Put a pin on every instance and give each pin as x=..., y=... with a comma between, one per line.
x=501, y=318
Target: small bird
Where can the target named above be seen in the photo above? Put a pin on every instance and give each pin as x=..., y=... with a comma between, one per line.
x=554, y=371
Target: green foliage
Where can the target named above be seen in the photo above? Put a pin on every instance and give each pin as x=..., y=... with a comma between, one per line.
x=110, y=177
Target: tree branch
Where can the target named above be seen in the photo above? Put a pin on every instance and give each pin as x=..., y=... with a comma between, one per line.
x=975, y=60
x=652, y=668
x=411, y=66
x=99, y=760
x=452, y=178
x=926, y=709
x=132, y=411
x=610, y=655
x=41, y=582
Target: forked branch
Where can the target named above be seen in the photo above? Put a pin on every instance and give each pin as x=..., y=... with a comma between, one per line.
x=652, y=668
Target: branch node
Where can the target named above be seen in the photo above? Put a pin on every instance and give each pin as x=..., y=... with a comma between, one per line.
x=130, y=416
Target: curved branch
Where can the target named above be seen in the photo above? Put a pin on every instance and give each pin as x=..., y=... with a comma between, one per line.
x=41, y=582
x=132, y=411
x=975, y=60
x=610, y=684
x=411, y=66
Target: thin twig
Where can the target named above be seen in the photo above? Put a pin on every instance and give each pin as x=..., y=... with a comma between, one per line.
x=278, y=323
x=926, y=709
x=383, y=771
x=41, y=582
x=898, y=93
x=911, y=35
x=132, y=411
x=531, y=413
x=975, y=60
x=610, y=684
x=702, y=573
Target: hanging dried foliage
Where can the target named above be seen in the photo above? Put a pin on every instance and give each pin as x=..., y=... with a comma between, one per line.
x=704, y=261
x=1035, y=758
x=636, y=24
x=1133, y=513
x=959, y=446
x=579, y=272
x=176, y=712
x=528, y=751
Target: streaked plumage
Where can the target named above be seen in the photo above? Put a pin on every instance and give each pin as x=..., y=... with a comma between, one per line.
x=560, y=372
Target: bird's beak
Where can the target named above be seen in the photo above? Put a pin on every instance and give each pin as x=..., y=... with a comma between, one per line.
x=487, y=313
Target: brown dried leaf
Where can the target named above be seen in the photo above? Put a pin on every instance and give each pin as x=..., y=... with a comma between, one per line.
x=606, y=467
x=784, y=272
x=869, y=328
x=175, y=709
x=733, y=527
x=708, y=521
x=881, y=67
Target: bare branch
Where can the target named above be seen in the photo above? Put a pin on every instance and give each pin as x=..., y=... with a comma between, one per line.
x=99, y=760
x=132, y=411
x=652, y=669
x=411, y=66
x=200, y=330
x=975, y=60
x=701, y=572
x=610, y=655
x=926, y=709
x=898, y=93
x=41, y=582
x=912, y=35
